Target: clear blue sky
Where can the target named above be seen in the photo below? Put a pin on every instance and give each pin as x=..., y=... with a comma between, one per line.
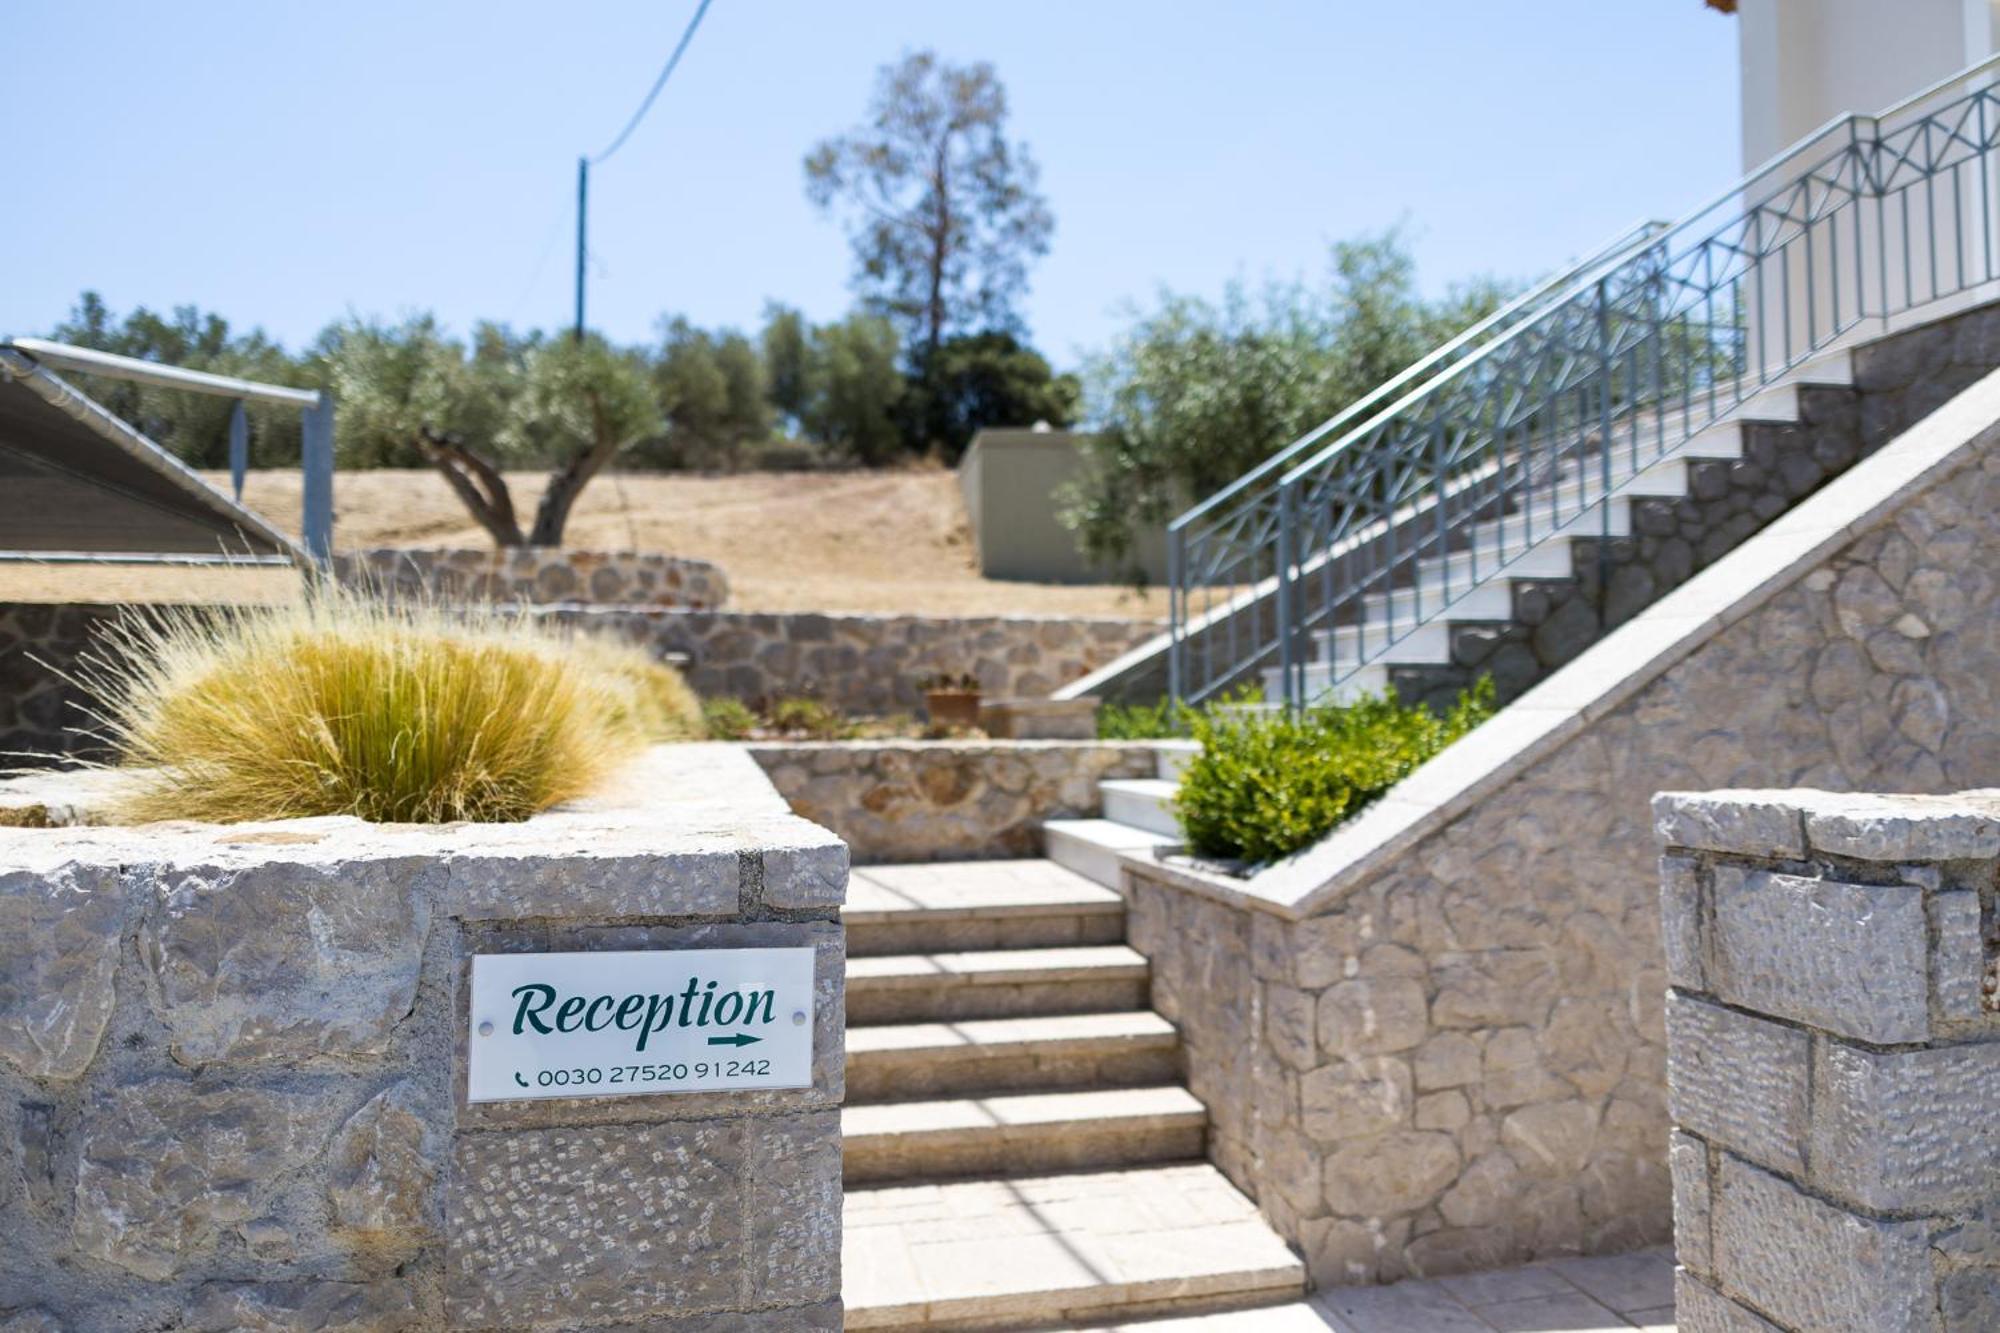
x=284, y=163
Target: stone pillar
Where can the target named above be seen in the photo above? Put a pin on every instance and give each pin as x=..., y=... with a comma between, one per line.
x=233, y=1083
x=1833, y=1060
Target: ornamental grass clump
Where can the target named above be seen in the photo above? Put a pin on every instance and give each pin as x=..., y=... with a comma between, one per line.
x=1267, y=784
x=347, y=705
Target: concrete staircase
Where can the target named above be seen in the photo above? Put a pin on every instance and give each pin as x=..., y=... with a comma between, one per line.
x=1413, y=635
x=1020, y=1149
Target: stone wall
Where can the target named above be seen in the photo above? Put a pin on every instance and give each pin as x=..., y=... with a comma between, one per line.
x=1436, y=1041
x=947, y=800
x=1833, y=1046
x=540, y=575
x=870, y=663
x=40, y=643
x=232, y=1085
x=860, y=663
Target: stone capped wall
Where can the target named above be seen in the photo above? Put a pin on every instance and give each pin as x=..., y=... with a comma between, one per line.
x=1834, y=1054
x=539, y=575
x=232, y=1075
x=869, y=663
x=859, y=663
x=947, y=800
x=1437, y=1042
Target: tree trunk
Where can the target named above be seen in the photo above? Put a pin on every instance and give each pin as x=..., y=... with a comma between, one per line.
x=567, y=481
x=478, y=484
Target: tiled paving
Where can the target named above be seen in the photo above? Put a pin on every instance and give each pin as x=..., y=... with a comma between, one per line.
x=1056, y=1246
x=1607, y=1295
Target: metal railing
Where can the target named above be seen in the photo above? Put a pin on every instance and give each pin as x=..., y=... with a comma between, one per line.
x=315, y=418
x=1523, y=428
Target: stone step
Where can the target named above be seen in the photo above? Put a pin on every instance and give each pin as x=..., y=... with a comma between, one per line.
x=954, y=906
x=1091, y=847
x=912, y=988
x=1020, y=1134
x=1112, y=1050
x=1048, y=1251
x=1173, y=757
x=1146, y=803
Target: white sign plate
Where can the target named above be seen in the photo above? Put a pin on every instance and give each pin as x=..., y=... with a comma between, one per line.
x=630, y=1024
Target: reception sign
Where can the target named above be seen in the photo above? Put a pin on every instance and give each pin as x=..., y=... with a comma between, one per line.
x=639, y=1023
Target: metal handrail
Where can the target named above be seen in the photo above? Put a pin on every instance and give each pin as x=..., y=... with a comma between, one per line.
x=1637, y=234
x=315, y=420
x=1379, y=530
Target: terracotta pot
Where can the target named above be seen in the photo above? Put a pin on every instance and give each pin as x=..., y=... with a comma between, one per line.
x=952, y=708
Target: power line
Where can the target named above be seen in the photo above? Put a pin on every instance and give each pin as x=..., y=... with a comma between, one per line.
x=584, y=164
x=658, y=84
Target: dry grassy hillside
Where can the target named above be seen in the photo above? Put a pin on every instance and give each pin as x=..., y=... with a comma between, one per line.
x=850, y=541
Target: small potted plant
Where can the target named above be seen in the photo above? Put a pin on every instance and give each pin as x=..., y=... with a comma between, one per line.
x=952, y=700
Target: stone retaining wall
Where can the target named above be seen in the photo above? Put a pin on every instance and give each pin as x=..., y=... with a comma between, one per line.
x=1436, y=1041
x=540, y=575
x=232, y=1080
x=1834, y=1054
x=947, y=800
x=860, y=663
x=868, y=663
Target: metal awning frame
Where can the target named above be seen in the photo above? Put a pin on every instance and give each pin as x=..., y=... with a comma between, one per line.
x=33, y=362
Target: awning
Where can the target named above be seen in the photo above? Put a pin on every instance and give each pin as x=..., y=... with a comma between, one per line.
x=76, y=481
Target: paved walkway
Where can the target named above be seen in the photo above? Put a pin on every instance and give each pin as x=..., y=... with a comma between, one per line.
x=1615, y=1294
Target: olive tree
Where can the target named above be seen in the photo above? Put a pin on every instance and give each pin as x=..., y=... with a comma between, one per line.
x=409, y=391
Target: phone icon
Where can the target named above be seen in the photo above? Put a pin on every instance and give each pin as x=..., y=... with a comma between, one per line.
x=518, y=1079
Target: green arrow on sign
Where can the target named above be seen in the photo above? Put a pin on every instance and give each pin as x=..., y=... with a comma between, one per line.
x=739, y=1039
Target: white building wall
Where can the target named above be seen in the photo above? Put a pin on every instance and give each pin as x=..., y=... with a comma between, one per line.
x=1805, y=62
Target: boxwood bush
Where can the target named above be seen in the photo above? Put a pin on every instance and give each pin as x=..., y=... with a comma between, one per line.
x=1269, y=783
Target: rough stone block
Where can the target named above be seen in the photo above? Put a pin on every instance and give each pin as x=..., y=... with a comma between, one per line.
x=794, y=1205
x=167, y=1167
x=1958, y=962
x=599, y=1225
x=1906, y=1131
x=1849, y=958
x=1553, y=1140
x=1351, y=1099
x=285, y=1307
x=1739, y=1081
x=1812, y=1265
x=1903, y=828
x=1494, y=988
x=382, y=1172
x=1680, y=921
x=1764, y=824
x=1969, y=1300
x=566, y=881
x=1687, y=1159
x=1288, y=1025
x=59, y=933
x=278, y=961
x=803, y=878
x=1391, y=1173
x=1373, y=1016
x=1699, y=1308
x=1448, y=1060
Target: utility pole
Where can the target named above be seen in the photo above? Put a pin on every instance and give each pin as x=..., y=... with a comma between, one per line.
x=582, y=212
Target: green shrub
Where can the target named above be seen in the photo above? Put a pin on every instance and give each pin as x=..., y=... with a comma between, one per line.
x=1267, y=784
x=1164, y=720
x=813, y=719
x=728, y=719
x=1137, y=722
